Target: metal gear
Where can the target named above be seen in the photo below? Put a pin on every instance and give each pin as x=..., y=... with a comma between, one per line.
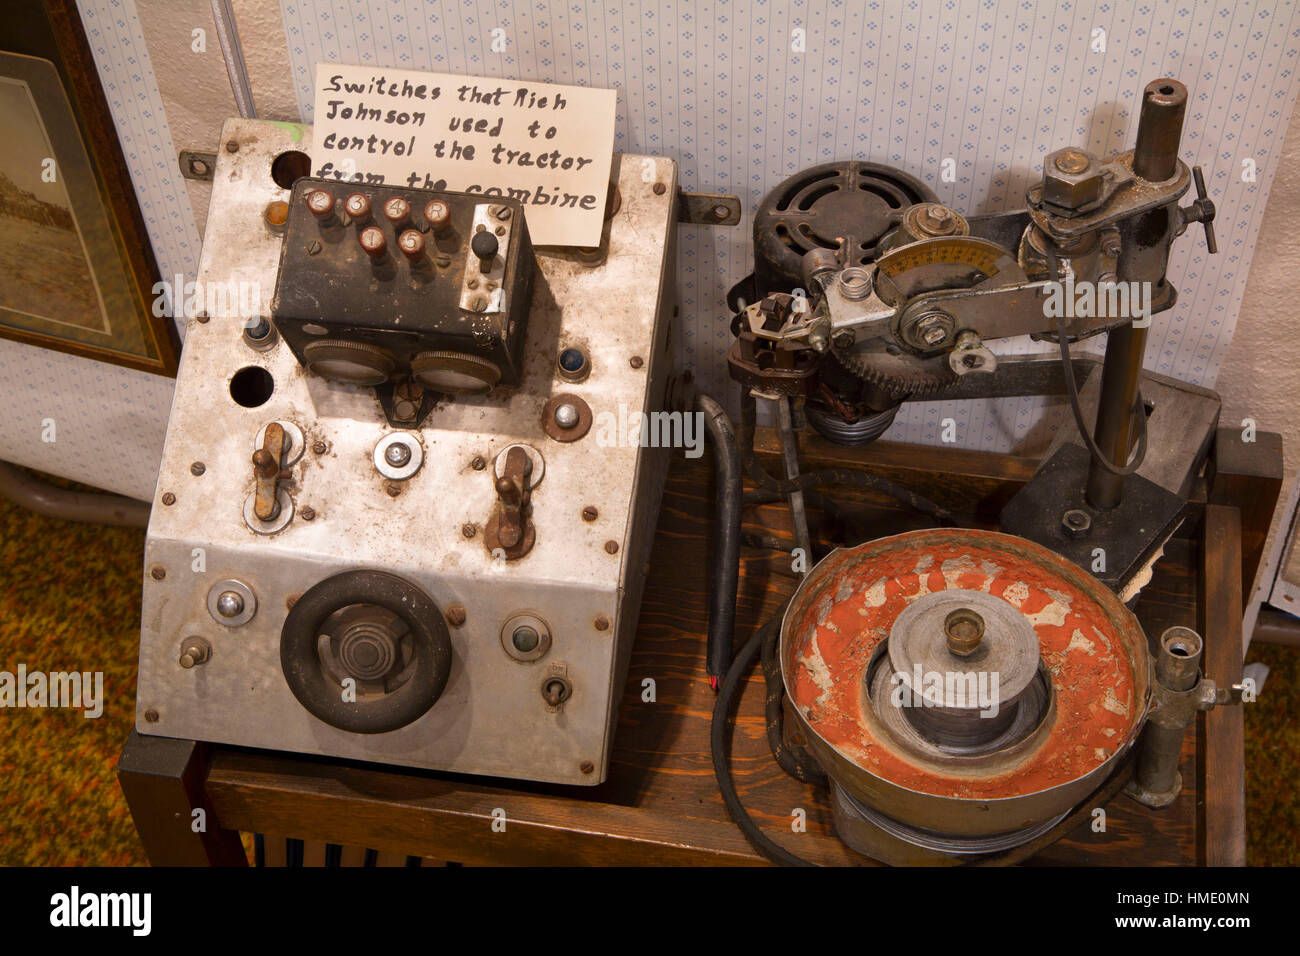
x=898, y=373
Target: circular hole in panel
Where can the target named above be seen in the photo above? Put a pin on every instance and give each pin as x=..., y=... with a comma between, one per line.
x=289, y=167
x=251, y=386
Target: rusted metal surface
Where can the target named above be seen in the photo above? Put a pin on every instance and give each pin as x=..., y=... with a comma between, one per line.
x=1091, y=645
x=708, y=209
x=197, y=164
x=266, y=472
x=510, y=529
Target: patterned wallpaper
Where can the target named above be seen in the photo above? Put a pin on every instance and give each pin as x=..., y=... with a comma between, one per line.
x=744, y=93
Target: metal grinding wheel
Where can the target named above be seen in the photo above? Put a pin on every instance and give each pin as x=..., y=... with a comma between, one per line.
x=879, y=634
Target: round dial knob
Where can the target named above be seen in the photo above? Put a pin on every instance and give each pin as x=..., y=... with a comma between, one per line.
x=380, y=633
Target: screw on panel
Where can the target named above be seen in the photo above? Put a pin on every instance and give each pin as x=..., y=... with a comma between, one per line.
x=307, y=514
x=468, y=530
x=611, y=547
x=198, y=468
x=587, y=767
x=318, y=447
x=157, y=572
x=478, y=463
x=168, y=498
x=602, y=623
x=660, y=189
x=456, y=615
x=636, y=361
x=232, y=146
x=151, y=715
x=589, y=513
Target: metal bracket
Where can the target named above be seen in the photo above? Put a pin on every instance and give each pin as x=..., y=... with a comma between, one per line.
x=197, y=164
x=708, y=209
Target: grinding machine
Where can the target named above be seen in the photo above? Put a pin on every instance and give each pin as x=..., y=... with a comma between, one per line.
x=969, y=695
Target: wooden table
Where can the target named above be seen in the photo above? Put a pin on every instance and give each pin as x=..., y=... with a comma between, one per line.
x=660, y=804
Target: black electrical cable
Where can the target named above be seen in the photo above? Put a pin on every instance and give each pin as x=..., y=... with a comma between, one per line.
x=1072, y=390
x=726, y=539
x=740, y=667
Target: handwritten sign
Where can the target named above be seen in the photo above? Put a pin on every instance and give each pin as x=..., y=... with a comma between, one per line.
x=546, y=145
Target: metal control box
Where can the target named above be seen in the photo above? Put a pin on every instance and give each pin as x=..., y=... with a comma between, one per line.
x=534, y=601
x=374, y=281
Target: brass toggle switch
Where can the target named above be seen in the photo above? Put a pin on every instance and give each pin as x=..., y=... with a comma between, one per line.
x=266, y=471
x=510, y=529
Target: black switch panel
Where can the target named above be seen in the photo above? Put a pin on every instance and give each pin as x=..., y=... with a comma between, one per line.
x=379, y=284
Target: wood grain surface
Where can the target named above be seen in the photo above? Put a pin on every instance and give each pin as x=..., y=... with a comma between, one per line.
x=660, y=804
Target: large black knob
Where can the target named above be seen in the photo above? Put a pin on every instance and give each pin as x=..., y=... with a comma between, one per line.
x=484, y=245
x=366, y=651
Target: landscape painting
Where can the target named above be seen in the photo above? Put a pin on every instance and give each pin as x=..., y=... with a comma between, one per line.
x=44, y=271
x=77, y=271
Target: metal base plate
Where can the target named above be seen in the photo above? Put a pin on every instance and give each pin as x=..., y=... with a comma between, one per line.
x=1119, y=542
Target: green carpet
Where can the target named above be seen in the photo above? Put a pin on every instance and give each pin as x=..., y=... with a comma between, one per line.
x=70, y=600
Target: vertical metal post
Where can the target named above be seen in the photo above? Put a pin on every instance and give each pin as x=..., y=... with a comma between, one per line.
x=1144, y=257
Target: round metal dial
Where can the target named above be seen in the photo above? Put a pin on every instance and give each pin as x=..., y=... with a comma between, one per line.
x=354, y=363
x=455, y=373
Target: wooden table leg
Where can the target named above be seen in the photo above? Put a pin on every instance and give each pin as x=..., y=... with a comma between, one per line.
x=1223, y=784
x=162, y=779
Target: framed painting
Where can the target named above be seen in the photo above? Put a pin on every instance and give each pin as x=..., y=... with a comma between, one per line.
x=76, y=267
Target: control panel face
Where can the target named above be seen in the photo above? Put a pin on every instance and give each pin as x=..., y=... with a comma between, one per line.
x=378, y=284
x=363, y=545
